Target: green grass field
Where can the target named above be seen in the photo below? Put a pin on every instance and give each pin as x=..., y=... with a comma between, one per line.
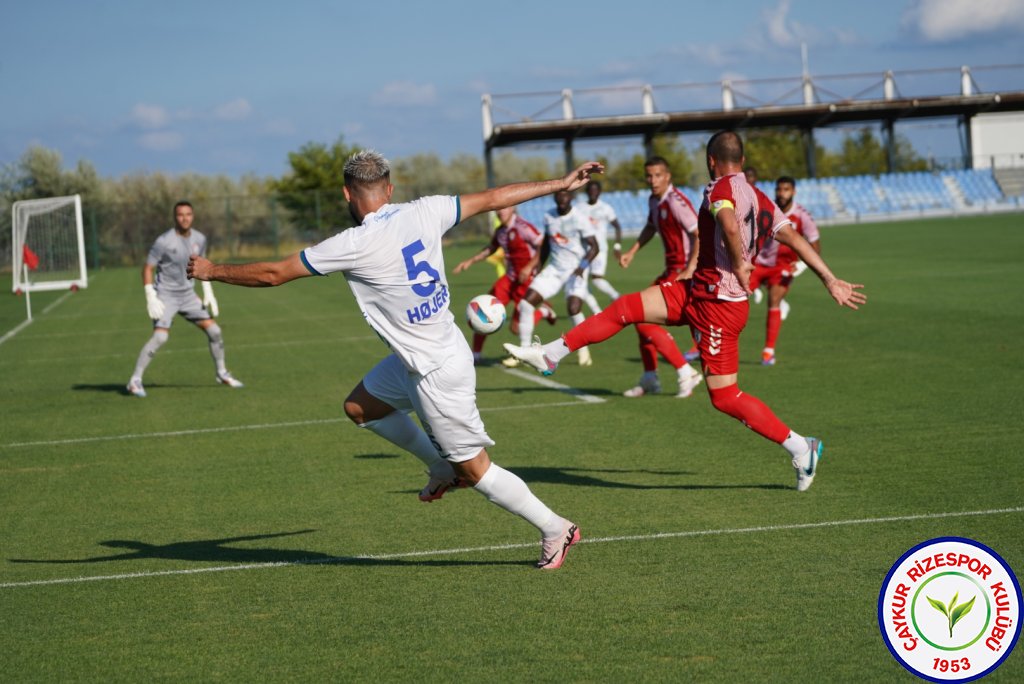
x=205, y=533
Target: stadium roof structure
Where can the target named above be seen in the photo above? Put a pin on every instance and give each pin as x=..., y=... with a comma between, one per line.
x=805, y=103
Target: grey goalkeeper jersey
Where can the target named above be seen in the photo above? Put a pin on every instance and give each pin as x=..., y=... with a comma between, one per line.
x=170, y=253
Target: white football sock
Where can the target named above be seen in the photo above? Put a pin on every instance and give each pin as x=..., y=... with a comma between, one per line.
x=686, y=371
x=604, y=286
x=526, y=310
x=507, y=490
x=557, y=350
x=796, y=445
x=148, y=350
x=591, y=302
x=402, y=431
x=217, y=348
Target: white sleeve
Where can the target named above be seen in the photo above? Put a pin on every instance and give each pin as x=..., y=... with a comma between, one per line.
x=441, y=210
x=337, y=253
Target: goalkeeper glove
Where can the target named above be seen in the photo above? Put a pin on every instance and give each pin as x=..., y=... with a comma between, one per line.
x=209, y=301
x=154, y=306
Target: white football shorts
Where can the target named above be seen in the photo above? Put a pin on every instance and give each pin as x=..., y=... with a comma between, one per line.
x=550, y=280
x=443, y=399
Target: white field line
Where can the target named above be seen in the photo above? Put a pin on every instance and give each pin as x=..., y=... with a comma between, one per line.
x=15, y=330
x=24, y=324
x=237, y=428
x=581, y=399
x=204, y=349
x=338, y=560
x=545, y=382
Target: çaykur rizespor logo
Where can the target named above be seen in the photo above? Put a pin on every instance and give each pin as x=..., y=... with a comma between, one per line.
x=950, y=609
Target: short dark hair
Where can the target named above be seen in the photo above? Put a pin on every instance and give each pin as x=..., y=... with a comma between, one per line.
x=180, y=203
x=594, y=183
x=658, y=161
x=786, y=179
x=726, y=146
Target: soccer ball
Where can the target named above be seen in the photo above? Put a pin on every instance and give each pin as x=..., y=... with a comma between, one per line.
x=485, y=314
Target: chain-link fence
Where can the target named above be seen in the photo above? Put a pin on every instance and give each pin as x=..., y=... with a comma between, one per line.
x=237, y=227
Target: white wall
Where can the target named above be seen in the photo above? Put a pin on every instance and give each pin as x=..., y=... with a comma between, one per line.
x=998, y=139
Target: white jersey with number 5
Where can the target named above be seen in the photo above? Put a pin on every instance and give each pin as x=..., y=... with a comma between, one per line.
x=394, y=265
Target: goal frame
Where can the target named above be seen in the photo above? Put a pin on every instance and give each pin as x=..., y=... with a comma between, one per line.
x=21, y=280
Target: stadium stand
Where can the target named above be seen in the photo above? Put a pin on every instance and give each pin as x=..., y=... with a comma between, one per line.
x=847, y=199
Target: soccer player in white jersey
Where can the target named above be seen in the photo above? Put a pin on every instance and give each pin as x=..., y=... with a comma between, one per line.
x=603, y=216
x=170, y=293
x=573, y=246
x=395, y=267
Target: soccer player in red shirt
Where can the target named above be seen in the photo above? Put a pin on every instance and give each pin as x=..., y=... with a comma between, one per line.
x=776, y=263
x=734, y=222
x=520, y=242
x=671, y=216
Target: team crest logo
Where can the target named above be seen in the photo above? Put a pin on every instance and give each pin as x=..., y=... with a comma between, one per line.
x=664, y=213
x=949, y=610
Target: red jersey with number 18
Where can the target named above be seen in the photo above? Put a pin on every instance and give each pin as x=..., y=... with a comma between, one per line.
x=759, y=218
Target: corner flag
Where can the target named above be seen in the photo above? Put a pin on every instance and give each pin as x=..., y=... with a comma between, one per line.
x=30, y=258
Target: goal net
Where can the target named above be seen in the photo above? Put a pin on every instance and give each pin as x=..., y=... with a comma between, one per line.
x=48, y=244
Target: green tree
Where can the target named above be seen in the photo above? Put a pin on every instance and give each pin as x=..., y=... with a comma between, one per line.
x=312, y=189
x=628, y=174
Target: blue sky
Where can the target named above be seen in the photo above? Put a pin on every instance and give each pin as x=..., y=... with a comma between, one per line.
x=218, y=87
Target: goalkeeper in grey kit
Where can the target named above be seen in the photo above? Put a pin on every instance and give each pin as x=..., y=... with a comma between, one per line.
x=171, y=292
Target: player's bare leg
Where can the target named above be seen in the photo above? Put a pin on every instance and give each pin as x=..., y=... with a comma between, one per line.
x=380, y=418
x=507, y=490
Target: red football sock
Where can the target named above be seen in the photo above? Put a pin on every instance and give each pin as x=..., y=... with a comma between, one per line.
x=625, y=310
x=478, y=342
x=661, y=340
x=750, y=411
x=774, y=323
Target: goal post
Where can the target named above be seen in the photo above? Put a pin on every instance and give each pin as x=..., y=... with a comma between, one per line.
x=48, y=244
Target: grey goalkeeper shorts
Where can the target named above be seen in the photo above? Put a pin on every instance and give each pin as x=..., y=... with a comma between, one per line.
x=187, y=304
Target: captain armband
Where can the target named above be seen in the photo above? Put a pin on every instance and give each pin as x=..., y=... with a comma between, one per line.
x=717, y=206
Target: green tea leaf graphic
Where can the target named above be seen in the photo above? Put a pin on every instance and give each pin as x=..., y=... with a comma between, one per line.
x=960, y=611
x=938, y=605
x=952, y=603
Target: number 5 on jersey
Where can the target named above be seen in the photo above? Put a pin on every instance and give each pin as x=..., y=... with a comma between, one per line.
x=414, y=268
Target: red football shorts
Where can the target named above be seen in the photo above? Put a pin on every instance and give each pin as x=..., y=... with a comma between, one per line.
x=716, y=325
x=780, y=274
x=507, y=290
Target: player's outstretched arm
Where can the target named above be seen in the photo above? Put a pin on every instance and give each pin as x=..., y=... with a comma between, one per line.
x=257, y=274
x=845, y=294
x=626, y=258
x=517, y=193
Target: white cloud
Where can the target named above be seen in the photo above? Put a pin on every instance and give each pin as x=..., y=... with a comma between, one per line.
x=939, y=21
x=150, y=116
x=405, y=93
x=161, y=141
x=786, y=33
x=234, y=110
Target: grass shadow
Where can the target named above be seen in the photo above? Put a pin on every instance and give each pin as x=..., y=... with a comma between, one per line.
x=217, y=550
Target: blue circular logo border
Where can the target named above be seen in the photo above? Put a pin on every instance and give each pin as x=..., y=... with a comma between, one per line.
x=881, y=602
